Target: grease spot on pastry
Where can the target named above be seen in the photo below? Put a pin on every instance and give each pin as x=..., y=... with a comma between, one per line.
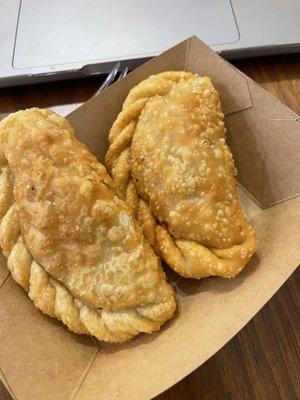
x=115, y=234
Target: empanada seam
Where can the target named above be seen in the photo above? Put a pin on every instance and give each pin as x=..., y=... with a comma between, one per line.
x=160, y=85
x=50, y=295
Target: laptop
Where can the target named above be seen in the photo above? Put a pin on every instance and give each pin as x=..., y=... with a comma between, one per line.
x=43, y=40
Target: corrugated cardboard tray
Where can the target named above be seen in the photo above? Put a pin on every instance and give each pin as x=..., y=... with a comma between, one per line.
x=41, y=359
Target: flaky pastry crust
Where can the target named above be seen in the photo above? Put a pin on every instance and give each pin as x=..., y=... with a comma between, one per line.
x=169, y=159
x=70, y=241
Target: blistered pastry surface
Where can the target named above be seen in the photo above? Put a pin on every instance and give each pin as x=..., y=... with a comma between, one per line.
x=170, y=141
x=71, y=242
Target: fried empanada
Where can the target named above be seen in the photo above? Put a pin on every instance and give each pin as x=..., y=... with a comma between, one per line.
x=170, y=161
x=70, y=241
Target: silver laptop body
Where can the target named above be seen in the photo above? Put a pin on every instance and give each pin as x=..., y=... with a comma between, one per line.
x=44, y=40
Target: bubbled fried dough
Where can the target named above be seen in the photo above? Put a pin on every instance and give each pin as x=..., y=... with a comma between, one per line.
x=169, y=158
x=70, y=241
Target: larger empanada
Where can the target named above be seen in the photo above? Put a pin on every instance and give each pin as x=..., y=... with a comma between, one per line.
x=70, y=241
x=169, y=159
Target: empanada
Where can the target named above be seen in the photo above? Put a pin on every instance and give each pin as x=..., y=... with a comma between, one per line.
x=70, y=241
x=170, y=161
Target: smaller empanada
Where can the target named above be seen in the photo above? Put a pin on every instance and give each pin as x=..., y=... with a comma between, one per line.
x=170, y=161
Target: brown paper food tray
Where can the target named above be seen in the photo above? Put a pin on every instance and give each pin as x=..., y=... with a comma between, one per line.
x=40, y=359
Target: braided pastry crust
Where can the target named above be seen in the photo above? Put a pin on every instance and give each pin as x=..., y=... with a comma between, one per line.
x=70, y=241
x=169, y=160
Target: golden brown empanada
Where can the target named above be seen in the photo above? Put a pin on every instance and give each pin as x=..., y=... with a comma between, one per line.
x=70, y=241
x=169, y=159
